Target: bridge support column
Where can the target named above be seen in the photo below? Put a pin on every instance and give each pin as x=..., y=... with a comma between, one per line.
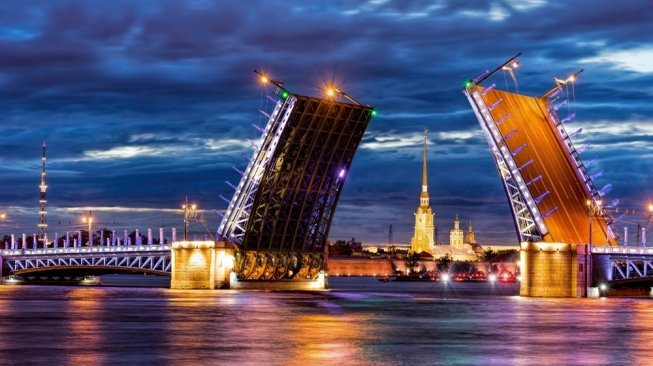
x=200, y=265
x=601, y=269
x=552, y=270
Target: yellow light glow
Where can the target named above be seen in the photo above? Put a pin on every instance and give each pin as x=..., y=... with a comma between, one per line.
x=264, y=79
x=650, y=208
x=572, y=78
x=183, y=207
x=515, y=64
x=599, y=203
x=330, y=92
x=193, y=206
x=3, y=216
x=588, y=203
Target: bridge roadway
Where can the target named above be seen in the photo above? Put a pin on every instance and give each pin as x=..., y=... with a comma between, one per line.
x=154, y=258
x=611, y=264
x=530, y=123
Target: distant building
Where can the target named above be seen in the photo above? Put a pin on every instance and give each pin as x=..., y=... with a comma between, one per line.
x=357, y=246
x=422, y=240
x=469, y=237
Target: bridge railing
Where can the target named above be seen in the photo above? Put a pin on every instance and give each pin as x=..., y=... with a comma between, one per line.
x=622, y=250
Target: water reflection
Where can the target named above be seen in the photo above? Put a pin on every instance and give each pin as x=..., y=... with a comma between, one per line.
x=328, y=338
x=84, y=334
x=360, y=321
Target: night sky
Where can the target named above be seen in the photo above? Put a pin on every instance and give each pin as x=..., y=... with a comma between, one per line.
x=144, y=102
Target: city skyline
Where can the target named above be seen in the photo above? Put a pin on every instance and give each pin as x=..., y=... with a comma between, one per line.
x=128, y=100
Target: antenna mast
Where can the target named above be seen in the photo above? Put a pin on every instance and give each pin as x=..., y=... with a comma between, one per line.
x=43, y=226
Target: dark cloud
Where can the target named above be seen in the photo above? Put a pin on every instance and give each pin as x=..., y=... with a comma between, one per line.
x=128, y=95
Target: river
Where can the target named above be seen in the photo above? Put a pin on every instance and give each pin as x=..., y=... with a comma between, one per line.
x=360, y=321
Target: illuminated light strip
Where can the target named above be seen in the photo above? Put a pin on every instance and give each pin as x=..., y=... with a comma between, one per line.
x=237, y=209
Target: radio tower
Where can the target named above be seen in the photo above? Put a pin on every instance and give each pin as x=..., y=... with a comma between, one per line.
x=43, y=226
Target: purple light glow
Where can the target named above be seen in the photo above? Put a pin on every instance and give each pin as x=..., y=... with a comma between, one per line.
x=341, y=174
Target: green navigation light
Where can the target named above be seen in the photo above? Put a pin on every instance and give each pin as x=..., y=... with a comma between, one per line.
x=373, y=113
x=468, y=84
x=284, y=94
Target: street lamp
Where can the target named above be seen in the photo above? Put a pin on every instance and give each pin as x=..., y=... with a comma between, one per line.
x=89, y=220
x=190, y=212
x=593, y=208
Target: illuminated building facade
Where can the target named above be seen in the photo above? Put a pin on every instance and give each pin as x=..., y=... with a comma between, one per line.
x=422, y=240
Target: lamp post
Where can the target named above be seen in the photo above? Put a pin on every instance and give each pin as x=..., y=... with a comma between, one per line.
x=593, y=208
x=190, y=212
x=89, y=220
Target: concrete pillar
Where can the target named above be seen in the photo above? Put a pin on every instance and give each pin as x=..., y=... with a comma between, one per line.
x=601, y=269
x=34, y=242
x=24, y=241
x=125, y=238
x=13, y=241
x=56, y=240
x=161, y=239
x=79, y=239
x=174, y=235
x=137, y=237
x=643, y=236
x=149, y=236
x=66, y=244
x=113, y=237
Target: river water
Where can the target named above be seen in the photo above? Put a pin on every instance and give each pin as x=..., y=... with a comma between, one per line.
x=360, y=321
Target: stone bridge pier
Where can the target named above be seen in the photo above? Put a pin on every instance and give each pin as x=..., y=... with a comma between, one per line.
x=554, y=270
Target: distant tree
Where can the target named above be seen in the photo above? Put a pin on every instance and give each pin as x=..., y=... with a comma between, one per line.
x=488, y=255
x=412, y=261
x=6, y=241
x=444, y=263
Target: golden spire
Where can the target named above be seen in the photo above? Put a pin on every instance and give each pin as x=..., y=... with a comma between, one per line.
x=425, y=195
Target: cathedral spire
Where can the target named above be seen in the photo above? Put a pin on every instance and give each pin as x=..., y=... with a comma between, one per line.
x=424, y=197
x=423, y=240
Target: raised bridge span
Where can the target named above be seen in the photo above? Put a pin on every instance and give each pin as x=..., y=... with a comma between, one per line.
x=561, y=218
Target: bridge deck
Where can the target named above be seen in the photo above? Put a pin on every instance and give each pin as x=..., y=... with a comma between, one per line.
x=568, y=193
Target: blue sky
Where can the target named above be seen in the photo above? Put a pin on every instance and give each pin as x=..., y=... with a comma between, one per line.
x=142, y=103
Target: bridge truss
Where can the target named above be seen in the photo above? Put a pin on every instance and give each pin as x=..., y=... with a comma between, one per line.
x=149, y=259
